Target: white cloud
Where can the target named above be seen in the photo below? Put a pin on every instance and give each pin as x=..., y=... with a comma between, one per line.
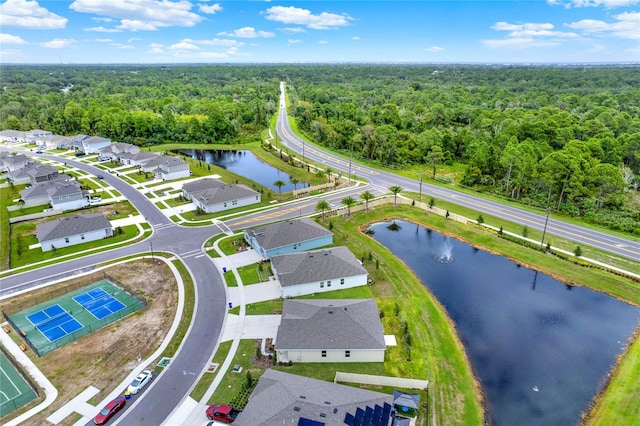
x=132, y=39
x=103, y=40
x=156, y=48
x=434, y=49
x=526, y=35
x=216, y=42
x=298, y=16
x=355, y=38
x=58, y=43
x=139, y=15
x=292, y=41
x=183, y=45
x=627, y=26
x=11, y=39
x=214, y=8
x=103, y=30
x=29, y=14
x=608, y=4
x=323, y=42
x=247, y=32
x=293, y=30
x=99, y=19
x=518, y=43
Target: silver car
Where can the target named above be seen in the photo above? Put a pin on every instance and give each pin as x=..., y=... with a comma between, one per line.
x=140, y=382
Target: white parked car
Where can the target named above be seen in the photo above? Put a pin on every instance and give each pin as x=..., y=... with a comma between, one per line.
x=140, y=382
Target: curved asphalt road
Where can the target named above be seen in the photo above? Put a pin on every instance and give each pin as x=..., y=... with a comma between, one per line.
x=382, y=180
x=172, y=386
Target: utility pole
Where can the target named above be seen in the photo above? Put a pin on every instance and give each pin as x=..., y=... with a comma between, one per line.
x=151, y=245
x=303, y=153
x=546, y=221
x=350, y=160
x=420, y=194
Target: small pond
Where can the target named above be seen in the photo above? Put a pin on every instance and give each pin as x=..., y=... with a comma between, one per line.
x=541, y=349
x=244, y=163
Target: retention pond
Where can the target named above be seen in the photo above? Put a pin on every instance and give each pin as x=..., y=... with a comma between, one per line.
x=541, y=349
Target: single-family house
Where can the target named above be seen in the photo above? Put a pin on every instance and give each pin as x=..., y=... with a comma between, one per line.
x=38, y=136
x=38, y=194
x=12, y=163
x=330, y=330
x=92, y=144
x=35, y=173
x=117, y=150
x=166, y=167
x=13, y=136
x=213, y=195
x=318, y=271
x=72, y=230
x=291, y=236
x=137, y=159
x=68, y=197
x=59, y=142
x=76, y=141
x=282, y=398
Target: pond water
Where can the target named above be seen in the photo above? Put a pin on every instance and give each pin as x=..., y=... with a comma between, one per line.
x=541, y=349
x=244, y=163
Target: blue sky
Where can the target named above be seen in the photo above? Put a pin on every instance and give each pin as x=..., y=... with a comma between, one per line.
x=428, y=31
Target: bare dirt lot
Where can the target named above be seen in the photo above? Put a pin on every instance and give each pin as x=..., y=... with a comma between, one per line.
x=104, y=358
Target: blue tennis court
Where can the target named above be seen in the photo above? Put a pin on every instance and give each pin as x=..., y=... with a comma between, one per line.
x=100, y=303
x=54, y=322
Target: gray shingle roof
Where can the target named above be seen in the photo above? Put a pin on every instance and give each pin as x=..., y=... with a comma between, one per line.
x=282, y=399
x=71, y=225
x=41, y=188
x=95, y=139
x=316, y=265
x=214, y=191
x=330, y=324
x=282, y=234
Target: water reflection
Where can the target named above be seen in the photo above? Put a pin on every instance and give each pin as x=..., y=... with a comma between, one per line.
x=245, y=164
x=541, y=352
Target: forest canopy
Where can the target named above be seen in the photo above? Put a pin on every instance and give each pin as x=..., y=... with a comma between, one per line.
x=564, y=137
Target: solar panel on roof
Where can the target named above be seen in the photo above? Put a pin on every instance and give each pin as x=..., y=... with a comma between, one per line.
x=308, y=422
x=349, y=419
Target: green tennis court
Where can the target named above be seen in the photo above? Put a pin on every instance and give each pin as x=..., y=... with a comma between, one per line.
x=61, y=320
x=15, y=391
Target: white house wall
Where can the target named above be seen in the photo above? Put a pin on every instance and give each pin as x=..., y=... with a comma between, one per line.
x=218, y=207
x=323, y=286
x=332, y=355
x=70, y=204
x=75, y=239
x=175, y=174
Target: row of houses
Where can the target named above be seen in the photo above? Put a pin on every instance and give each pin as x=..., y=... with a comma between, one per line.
x=320, y=330
x=47, y=140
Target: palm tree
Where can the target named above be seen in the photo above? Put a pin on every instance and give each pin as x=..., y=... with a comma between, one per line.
x=348, y=201
x=322, y=206
x=294, y=181
x=366, y=196
x=319, y=175
x=395, y=189
x=328, y=171
x=279, y=184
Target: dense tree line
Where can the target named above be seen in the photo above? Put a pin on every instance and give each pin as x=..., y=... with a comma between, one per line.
x=564, y=137
x=567, y=137
x=145, y=105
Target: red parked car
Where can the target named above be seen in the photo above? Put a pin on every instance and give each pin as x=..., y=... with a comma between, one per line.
x=109, y=410
x=222, y=413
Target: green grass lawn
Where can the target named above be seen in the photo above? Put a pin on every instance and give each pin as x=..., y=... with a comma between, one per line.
x=255, y=273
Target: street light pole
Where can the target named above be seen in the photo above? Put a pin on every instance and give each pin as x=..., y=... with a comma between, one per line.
x=302, y=153
x=151, y=245
x=420, y=194
x=350, y=160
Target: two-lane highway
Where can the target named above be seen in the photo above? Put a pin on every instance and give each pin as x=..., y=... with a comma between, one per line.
x=382, y=180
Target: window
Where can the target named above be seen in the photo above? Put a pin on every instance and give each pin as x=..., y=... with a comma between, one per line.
x=347, y=354
x=82, y=236
x=66, y=239
x=324, y=354
x=341, y=281
x=321, y=284
x=329, y=283
x=225, y=205
x=234, y=203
